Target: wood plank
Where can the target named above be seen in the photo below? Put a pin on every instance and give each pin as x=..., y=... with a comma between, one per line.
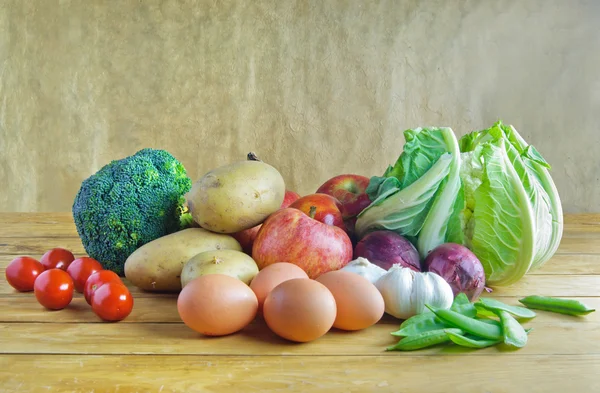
x=38, y=246
x=49, y=224
x=557, y=336
x=584, y=243
x=164, y=309
x=489, y=373
x=561, y=264
x=299, y=374
x=565, y=264
x=548, y=285
x=552, y=285
x=582, y=218
x=146, y=309
x=37, y=224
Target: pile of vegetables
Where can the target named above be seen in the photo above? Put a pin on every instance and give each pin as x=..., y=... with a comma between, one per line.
x=489, y=191
x=448, y=218
x=485, y=323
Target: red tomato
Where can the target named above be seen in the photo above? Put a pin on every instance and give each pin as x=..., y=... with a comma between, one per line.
x=81, y=269
x=95, y=280
x=21, y=273
x=112, y=301
x=54, y=289
x=57, y=258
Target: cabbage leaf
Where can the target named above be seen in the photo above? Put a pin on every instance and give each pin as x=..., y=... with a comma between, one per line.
x=489, y=191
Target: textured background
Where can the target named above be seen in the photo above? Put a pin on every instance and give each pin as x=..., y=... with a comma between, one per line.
x=316, y=88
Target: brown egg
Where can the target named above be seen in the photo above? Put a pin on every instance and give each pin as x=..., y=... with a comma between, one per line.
x=217, y=305
x=359, y=303
x=300, y=310
x=271, y=276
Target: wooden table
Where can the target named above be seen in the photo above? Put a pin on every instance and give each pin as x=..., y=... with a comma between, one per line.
x=71, y=350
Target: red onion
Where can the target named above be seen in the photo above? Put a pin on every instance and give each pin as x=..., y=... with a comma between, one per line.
x=387, y=248
x=459, y=267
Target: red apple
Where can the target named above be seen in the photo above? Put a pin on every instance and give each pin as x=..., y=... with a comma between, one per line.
x=290, y=197
x=327, y=209
x=350, y=190
x=289, y=235
x=247, y=236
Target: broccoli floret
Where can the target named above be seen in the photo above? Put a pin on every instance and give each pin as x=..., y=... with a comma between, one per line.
x=128, y=203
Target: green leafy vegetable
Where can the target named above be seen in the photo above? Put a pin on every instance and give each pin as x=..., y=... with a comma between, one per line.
x=489, y=191
x=496, y=305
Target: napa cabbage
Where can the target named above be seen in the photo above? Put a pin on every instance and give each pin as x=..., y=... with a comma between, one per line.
x=489, y=191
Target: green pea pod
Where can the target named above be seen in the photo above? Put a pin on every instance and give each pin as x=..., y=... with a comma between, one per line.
x=489, y=321
x=460, y=300
x=557, y=305
x=469, y=325
x=422, y=326
x=417, y=318
x=471, y=341
x=514, y=333
x=495, y=305
x=467, y=309
x=484, y=312
x=423, y=340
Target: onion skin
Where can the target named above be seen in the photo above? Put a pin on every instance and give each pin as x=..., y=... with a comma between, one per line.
x=387, y=248
x=459, y=267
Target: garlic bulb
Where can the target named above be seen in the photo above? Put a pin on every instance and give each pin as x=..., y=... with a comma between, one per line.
x=363, y=267
x=406, y=292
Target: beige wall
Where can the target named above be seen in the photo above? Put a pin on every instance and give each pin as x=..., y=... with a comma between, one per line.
x=316, y=88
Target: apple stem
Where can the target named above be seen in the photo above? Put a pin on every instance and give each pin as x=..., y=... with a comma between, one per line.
x=252, y=157
x=312, y=211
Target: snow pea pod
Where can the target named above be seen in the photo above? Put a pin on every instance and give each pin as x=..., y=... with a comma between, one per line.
x=471, y=341
x=417, y=318
x=489, y=321
x=424, y=340
x=469, y=325
x=495, y=305
x=428, y=320
x=514, y=333
x=422, y=326
x=558, y=305
x=466, y=309
x=460, y=300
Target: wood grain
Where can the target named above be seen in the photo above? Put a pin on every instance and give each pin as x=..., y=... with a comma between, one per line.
x=557, y=285
x=157, y=309
x=559, y=264
x=558, y=336
x=71, y=350
x=37, y=225
x=570, y=244
x=231, y=374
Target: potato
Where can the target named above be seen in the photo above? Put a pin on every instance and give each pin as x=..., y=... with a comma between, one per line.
x=228, y=262
x=156, y=266
x=237, y=196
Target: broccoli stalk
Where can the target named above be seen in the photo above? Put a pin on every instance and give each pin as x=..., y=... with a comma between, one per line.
x=130, y=202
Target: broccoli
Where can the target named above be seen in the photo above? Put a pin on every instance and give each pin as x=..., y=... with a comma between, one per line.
x=130, y=202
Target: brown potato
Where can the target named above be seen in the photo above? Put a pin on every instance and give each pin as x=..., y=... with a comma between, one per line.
x=237, y=196
x=228, y=262
x=157, y=265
